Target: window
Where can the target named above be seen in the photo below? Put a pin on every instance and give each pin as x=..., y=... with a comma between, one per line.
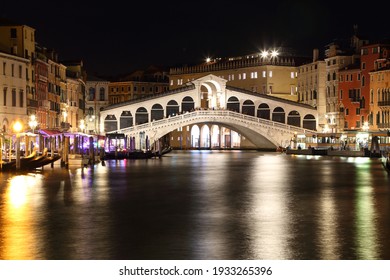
x=21, y=96
x=13, y=33
x=12, y=69
x=264, y=74
x=102, y=94
x=270, y=74
x=4, y=67
x=13, y=97
x=363, y=65
x=346, y=111
x=292, y=75
x=243, y=76
x=254, y=75
x=5, y=96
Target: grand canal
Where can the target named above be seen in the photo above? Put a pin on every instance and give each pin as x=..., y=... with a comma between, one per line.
x=200, y=205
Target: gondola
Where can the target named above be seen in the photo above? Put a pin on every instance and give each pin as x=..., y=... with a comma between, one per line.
x=31, y=162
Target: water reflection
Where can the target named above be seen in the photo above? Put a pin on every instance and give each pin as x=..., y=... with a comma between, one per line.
x=200, y=205
x=18, y=238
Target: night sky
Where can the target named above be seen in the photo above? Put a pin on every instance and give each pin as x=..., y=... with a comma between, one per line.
x=116, y=38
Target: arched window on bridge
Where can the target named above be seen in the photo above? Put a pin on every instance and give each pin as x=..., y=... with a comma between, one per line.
x=248, y=108
x=172, y=108
x=233, y=104
x=309, y=122
x=263, y=111
x=157, y=112
x=126, y=119
x=141, y=116
x=188, y=104
x=278, y=115
x=294, y=118
x=110, y=123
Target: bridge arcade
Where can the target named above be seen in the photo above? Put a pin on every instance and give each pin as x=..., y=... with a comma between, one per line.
x=208, y=100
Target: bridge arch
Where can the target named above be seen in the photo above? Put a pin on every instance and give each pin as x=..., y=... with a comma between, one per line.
x=309, y=122
x=233, y=104
x=187, y=104
x=278, y=115
x=126, y=119
x=110, y=123
x=141, y=116
x=294, y=118
x=157, y=112
x=172, y=108
x=248, y=107
x=263, y=111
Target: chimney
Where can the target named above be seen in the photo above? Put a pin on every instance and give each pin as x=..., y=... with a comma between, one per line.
x=315, y=55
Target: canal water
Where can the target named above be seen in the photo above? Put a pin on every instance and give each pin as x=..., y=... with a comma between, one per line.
x=200, y=205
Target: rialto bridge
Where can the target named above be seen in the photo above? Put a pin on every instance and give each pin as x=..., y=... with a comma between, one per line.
x=264, y=121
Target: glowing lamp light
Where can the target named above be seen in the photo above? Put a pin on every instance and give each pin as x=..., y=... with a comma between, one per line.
x=208, y=59
x=274, y=53
x=17, y=127
x=33, y=122
x=264, y=54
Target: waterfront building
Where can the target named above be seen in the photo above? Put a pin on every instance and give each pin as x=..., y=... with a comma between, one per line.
x=19, y=40
x=95, y=101
x=42, y=85
x=311, y=86
x=56, y=80
x=138, y=84
x=74, y=108
x=374, y=57
x=338, y=55
x=380, y=95
x=271, y=72
x=13, y=83
x=350, y=96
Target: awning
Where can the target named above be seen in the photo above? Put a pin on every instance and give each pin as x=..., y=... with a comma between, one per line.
x=50, y=132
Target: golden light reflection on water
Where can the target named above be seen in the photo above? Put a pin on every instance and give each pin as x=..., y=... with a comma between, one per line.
x=270, y=206
x=366, y=227
x=18, y=233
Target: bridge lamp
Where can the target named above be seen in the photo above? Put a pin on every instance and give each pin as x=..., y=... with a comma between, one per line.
x=208, y=60
x=274, y=53
x=264, y=54
x=82, y=125
x=33, y=123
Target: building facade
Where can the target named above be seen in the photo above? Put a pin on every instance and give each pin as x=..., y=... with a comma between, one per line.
x=13, y=101
x=95, y=101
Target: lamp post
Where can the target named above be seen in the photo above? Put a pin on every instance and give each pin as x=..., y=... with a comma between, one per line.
x=33, y=123
x=17, y=128
x=82, y=125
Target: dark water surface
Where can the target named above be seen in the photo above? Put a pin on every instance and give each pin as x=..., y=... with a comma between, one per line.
x=200, y=205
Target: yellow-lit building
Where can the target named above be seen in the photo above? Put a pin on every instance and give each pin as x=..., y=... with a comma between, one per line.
x=268, y=72
x=19, y=40
x=380, y=98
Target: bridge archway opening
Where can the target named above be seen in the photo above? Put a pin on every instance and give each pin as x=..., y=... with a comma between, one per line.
x=187, y=104
x=278, y=115
x=110, y=123
x=294, y=118
x=309, y=122
x=263, y=111
x=172, y=108
x=233, y=104
x=157, y=112
x=126, y=119
x=195, y=133
x=248, y=108
x=141, y=116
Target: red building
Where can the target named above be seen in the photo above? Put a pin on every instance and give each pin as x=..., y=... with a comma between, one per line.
x=350, y=96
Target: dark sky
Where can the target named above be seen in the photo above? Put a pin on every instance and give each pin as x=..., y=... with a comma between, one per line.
x=115, y=37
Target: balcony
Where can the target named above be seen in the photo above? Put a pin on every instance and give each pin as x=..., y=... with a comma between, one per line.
x=32, y=103
x=65, y=126
x=384, y=103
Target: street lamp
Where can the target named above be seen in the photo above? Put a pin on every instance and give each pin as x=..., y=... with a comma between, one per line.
x=82, y=125
x=33, y=123
x=17, y=127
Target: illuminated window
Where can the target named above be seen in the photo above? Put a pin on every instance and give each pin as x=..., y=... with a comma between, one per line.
x=270, y=74
x=243, y=76
x=264, y=74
